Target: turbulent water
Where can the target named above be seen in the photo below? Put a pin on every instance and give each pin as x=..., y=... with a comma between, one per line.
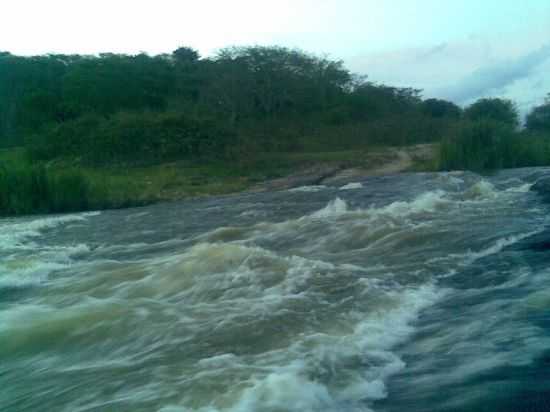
x=421, y=292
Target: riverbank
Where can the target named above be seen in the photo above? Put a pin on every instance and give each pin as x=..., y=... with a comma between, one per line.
x=380, y=162
x=122, y=186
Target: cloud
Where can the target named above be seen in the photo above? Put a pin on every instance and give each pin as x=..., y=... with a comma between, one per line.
x=513, y=65
x=430, y=68
x=528, y=91
x=434, y=51
x=494, y=77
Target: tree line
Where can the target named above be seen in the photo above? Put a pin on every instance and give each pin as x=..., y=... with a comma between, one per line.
x=244, y=100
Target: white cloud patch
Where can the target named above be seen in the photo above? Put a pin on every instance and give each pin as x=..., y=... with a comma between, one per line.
x=515, y=66
x=493, y=78
x=529, y=91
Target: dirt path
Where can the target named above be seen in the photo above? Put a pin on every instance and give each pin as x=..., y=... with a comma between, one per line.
x=386, y=163
x=382, y=162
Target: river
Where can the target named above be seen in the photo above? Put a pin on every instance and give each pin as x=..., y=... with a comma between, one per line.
x=413, y=292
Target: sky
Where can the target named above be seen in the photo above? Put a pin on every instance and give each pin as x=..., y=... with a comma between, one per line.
x=459, y=50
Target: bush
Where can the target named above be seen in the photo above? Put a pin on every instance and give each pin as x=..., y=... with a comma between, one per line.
x=488, y=145
x=538, y=120
x=499, y=110
x=132, y=137
x=33, y=189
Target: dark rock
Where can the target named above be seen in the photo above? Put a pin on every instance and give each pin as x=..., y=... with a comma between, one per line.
x=539, y=242
x=537, y=175
x=542, y=187
x=308, y=177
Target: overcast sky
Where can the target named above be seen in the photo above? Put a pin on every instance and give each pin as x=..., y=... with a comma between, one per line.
x=455, y=49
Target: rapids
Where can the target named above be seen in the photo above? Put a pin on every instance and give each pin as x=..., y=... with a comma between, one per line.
x=414, y=292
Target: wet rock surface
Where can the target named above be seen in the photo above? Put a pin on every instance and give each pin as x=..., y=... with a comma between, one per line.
x=542, y=187
x=389, y=161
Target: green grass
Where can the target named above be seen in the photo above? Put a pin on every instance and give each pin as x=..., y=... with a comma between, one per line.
x=13, y=157
x=67, y=185
x=141, y=185
x=486, y=145
x=34, y=189
x=62, y=186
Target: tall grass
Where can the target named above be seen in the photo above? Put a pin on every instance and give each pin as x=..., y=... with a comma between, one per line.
x=488, y=145
x=33, y=189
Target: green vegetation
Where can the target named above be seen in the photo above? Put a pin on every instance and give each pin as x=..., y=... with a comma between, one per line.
x=118, y=130
x=539, y=118
x=488, y=138
x=489, y=145
x=33, y=189
x=498, y=110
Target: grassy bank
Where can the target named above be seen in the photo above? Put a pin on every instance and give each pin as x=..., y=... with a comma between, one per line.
x=65, y=186
x=118, y=130
x=33, y=188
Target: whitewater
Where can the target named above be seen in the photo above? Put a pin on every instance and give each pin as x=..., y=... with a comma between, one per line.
x=412, y=292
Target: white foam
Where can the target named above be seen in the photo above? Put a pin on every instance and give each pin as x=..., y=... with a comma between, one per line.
x=498, y=246
x=385, y=330
x=232, y=269
x=15, y=231
x=294, y=387
x=20, y=271
x=25, y=263
x=428, y=202
x=454, y=180
x=27, y=276
x=218, y=361
x=254, y=213
x=285, y=390
x=482, y=190
x=308, y=189
x=352, y=186
x=334, y=208
x=425, y=203
x=472, y=256
x=309, y=371
x=520, y=189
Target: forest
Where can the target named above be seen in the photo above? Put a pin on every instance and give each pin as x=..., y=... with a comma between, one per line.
x=228, y=111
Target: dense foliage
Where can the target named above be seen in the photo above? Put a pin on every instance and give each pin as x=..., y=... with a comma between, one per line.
x=488, y=138
x=489, y=145
x=498, y=110
x=35, y=190
x=539, y=118
x=231, y=109
x=244, y=100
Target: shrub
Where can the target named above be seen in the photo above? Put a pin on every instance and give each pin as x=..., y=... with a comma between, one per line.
x=499, y=110
x=132, y=137
x=33, y=189
x=538, y=120
x=488, y=145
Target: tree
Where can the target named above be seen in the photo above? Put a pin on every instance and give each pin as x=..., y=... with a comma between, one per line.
x=185, y=55
x=369, y=101
x=499, y=110
x=440, y=108
x=244, y=99
x=281, y=80
x=189, y=76
x=538, y=120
